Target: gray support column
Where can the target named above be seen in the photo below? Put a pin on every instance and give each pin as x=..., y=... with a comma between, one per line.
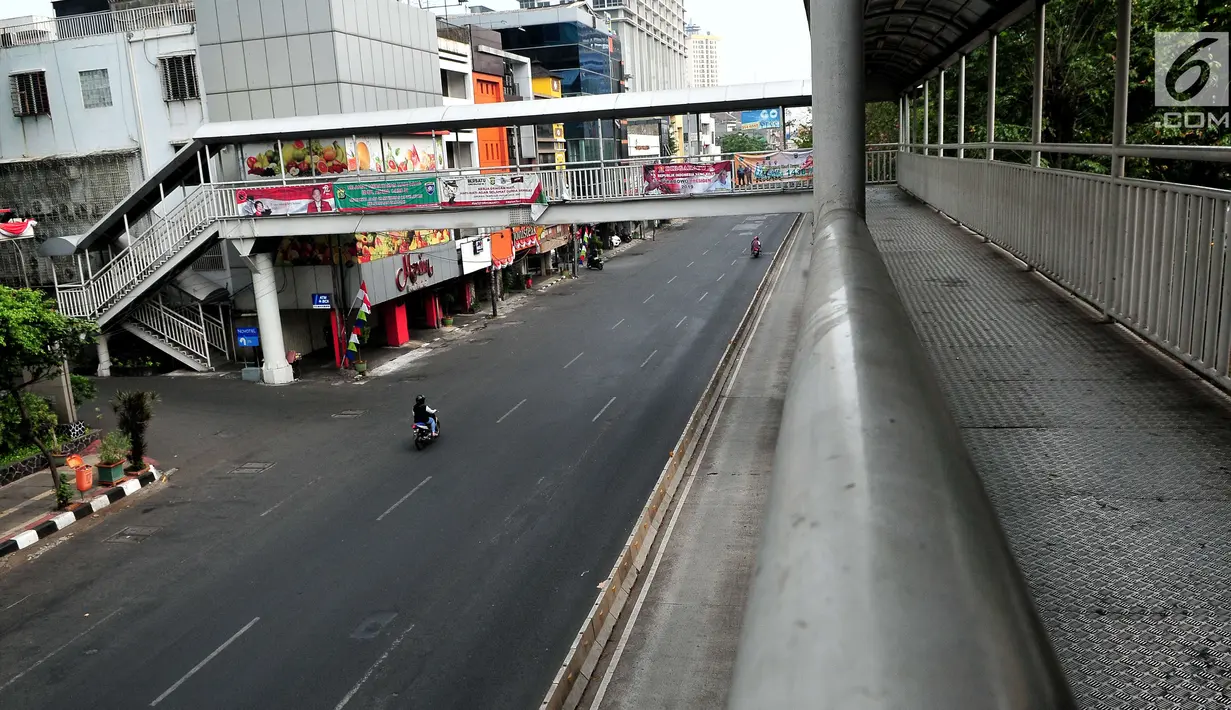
x=940, y=114
x=837, y=107
x=1036, y=117
x=991, y=97
x=104, y=356
x=275, y=370
x=901, y=121
x=927, y=116
x=1119, y=129
x=961, y=107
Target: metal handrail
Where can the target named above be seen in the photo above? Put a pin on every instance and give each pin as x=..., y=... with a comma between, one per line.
x=174, y=327
x=94, y=24
x=1199, y=153
x=884, y=579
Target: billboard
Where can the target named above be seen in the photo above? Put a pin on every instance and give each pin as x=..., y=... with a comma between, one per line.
x=284, y=200
x=757, y=120
x=687, y=178
x=783, y=166
x=490, y=190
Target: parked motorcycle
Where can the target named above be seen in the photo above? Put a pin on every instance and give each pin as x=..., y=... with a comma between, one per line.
x=423, y=435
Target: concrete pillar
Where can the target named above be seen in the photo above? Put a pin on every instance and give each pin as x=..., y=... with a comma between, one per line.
x=991, y=97
x=104, y=356
x=397, y=330
x=837, y=107
x=275, y=370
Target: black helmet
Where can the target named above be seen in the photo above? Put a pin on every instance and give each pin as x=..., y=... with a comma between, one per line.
x=420, y=399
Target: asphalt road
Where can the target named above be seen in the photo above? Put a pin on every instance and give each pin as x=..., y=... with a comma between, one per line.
x=358, y=573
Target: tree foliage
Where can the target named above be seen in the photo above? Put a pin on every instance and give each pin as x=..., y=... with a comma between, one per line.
x=35, y=342
x=744, y=143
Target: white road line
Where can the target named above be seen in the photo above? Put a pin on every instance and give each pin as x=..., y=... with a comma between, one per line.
x=570, y=362
x=733, y=261
x=403, y=498
x=703, y=296
x=46, y=658
x=690, y=264
x=698, y=458
x=514, y=409
x=681, y=321
x=617, y=325
x=600, y=412
x=705, y=252
x=10, y=606
x=383, y=657
x=720, y=277
x=651, y=357
x=279, y=505
x=201, y=665
x=647, y=300
x=673, y=278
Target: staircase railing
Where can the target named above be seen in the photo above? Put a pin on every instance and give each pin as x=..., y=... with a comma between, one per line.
x=215, y=328
x=143, y=256
x=173, y=327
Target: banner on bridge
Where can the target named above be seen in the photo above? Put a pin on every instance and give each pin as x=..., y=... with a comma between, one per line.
x=783, y=166
x=490, y=190
x=284, y=200
x=384, y=195
x=687, y=178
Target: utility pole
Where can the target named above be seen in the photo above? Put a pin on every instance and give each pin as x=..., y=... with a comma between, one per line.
x=495, y=312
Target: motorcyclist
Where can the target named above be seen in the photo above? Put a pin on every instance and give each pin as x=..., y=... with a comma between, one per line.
x=425, y=414
x=756, y=243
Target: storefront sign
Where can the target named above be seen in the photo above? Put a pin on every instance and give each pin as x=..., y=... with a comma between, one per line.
x=284, y=200
x=553, y=238
x=525, y=237
x=687, y=178
x=412, y=270
x=248, y=337
x=371, y=246
x=783, y=166
x=475, y=254
x=490, y=190
x=384, y=195
x=322, y=301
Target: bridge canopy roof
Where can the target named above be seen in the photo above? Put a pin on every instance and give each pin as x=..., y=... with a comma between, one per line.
x=906, y=41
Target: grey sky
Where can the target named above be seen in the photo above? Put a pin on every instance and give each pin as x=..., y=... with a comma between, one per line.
x=765, y=40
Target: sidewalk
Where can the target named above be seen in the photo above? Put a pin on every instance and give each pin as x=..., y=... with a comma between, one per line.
x=28, y=511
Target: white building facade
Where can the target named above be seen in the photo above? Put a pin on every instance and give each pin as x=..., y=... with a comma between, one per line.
x=704, y=58
x=652, y=35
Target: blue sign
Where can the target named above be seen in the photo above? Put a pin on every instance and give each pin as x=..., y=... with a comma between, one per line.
x=248, y=337
x=756, y=120
x=322, y=300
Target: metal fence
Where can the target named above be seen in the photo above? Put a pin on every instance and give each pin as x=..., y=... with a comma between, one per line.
x=100, y=23
x=1150, y=255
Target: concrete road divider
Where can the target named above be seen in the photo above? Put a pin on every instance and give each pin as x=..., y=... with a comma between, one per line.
x=570, y=682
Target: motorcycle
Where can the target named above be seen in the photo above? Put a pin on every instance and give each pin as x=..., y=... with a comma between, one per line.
x=423, y=434
x=595, y=262
x=756, y=252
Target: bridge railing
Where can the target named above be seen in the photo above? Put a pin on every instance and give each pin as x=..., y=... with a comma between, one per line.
x=884, y=579
x=1152, y=256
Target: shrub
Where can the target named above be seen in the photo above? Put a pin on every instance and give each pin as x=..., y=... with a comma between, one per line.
x=133, y=411
x=83, y=389
x=12, y=434
x=114, y=447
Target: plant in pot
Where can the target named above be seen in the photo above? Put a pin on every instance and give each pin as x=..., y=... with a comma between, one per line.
x=448, y=299
x=133, y=412
x=59, y=457
x=111, y=454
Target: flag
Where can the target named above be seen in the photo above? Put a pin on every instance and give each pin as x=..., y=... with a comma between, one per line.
x=361, y=320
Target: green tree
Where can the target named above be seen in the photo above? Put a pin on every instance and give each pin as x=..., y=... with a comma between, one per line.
x=880, y=123
x=801, y=135
x=673, y=146
x=35, y=342
x=744, y=143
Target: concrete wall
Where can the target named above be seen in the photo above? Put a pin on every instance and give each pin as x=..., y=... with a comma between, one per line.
x=278, y=58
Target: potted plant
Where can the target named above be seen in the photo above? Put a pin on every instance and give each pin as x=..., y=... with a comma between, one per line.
x=111, y=453
x=59, y=457
x=133, y=411
x=448, y=299
x=361, y=366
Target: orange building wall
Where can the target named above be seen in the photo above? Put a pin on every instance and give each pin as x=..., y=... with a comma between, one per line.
x=493, y=142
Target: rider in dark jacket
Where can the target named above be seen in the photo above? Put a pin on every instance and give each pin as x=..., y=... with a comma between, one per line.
x=425, y=414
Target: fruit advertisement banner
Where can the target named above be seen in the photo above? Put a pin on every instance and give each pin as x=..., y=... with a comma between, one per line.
x=489, y=190
x=783, y=166
x=314, y=251
x=379, y=245
x=383, y=195
x=299, y=158
x=284, y=200
x=392, y=154
x=687, y=178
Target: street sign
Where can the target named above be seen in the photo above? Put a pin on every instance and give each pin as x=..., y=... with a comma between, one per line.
x=322, y=301
x=248, y=337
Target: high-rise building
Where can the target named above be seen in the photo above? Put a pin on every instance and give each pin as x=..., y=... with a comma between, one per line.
x=704, y=65
x=652, y=34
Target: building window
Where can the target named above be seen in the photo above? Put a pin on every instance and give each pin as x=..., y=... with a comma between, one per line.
x=95, y=88
x=179, y=77
x=30, y=94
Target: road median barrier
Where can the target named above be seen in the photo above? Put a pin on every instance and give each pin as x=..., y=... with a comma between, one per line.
x=574, y=675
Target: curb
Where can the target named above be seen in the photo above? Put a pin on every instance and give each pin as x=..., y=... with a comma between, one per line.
x=569, y=684
x=60, y=521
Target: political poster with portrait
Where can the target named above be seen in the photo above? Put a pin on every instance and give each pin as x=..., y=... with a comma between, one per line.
x=687, y=178
x=284, y=200
x=490, y=190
